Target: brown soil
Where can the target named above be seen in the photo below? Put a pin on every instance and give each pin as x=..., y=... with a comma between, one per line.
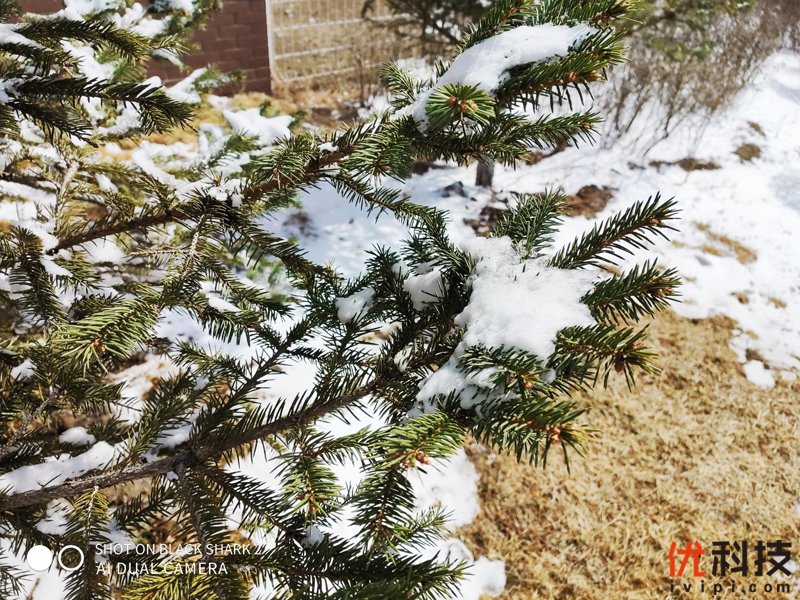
x=697, y=453
x=588, y=201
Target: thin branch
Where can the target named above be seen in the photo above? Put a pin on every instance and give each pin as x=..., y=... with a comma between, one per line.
x=194, y=454
x=8, y=447
x=174, y=214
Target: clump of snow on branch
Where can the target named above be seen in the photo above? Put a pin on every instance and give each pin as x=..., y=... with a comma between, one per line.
x=9, y=35
x=77, y=436
x=268, y=130
x=515, y=303
x=313, y=536
x=8, y=89
x=55, y=472
x=355, y=305
x=425, y=287
x=23, y=370
x=486, y=65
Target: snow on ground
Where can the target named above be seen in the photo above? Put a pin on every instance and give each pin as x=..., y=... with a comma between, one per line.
x=737, y=248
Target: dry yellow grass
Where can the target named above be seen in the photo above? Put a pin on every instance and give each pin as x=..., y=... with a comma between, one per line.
x=726, y=246
x=697, y=453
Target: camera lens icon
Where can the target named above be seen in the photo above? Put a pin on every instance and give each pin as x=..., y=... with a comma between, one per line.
x=69, y=558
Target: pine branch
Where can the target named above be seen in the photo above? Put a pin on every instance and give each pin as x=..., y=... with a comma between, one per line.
x=193, y=455
x=630, y=229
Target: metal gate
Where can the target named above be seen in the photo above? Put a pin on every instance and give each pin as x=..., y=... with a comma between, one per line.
x=313, y=41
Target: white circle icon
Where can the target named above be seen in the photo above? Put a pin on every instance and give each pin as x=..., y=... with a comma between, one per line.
x=70, y=567
x=39, y=558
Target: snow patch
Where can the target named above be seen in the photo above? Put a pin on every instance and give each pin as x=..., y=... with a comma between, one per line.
x=313, y=535
x=515, y=303
x=22, y=370
x=758, y=374
x=184, y=90
x=221, y=304
x=77, y=436
x=451, y=484
x=8, y=89
x=426, y=287
x=57, y=470
x=267, y=130
x=484, y=577
x=352, y=307
x=9, y=35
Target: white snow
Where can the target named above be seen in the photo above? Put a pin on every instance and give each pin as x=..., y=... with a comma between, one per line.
x=8, y=90
x=313, y=536
x=57, y=470
x=452, y=484
x=328, y=147
x=758, y=374
x=486, y=64
x=754, y=204
x=82, y=8
x=425, y=287
x=77, y=436
x=267, y=130
x=89, y=65
x=23, y=370
x=55, y=520
x=177, y=435
x=104, y=183
x=352, y=307
x=9, y=35
x=184, y=5
x=221, y=304
x=515, y=303
x=484, y=577
x=53, y=268
x=104, y=251
x=184, y=90
x=521, y=303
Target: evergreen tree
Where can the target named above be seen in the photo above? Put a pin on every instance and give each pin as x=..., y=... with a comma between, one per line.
x=486, y=340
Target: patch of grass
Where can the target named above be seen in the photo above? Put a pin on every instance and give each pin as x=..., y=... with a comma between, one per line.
x=697, y=453
x=748, y=151
x=743, y=254
x=776, y=302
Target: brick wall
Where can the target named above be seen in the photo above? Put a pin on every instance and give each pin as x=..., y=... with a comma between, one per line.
x=234, y=40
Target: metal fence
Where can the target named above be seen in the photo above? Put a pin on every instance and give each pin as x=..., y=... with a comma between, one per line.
x=314, y=41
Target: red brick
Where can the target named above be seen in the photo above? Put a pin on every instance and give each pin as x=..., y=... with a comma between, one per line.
x=237, y=54
x=41, y=6
x=235, y=39
x=224, y=19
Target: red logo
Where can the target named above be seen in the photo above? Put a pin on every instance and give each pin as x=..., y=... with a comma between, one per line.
x=688, y=552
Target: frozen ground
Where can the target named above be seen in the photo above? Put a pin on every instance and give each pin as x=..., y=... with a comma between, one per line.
x=737, y=249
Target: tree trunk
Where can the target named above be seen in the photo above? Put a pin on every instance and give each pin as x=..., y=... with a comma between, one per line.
x=485, y=174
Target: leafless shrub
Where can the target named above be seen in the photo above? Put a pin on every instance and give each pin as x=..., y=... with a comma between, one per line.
x=662, y=87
